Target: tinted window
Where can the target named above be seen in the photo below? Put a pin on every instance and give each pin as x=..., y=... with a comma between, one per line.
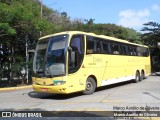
x=134, y=51
x=76, y=54
x=142, y=51
x=123, y=49
x=105, y=47
x=93, y=45
x=77, y=43
x=98, y=45
x=115, y=48
x=90, y=45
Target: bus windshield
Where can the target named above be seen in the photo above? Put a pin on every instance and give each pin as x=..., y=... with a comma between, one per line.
x=50, y=57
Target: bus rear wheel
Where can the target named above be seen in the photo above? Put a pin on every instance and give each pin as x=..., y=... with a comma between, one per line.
x=90, y=86
x=137, y=77
x=142, y=75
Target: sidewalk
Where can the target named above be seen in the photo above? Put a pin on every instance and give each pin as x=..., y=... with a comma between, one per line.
x=15, y=88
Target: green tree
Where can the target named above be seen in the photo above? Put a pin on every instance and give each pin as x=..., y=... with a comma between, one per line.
x=111, y=30
x=151, y=35
x=90, y=21
x=20, y=20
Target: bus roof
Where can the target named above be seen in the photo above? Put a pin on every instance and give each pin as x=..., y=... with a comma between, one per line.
x=94, y=35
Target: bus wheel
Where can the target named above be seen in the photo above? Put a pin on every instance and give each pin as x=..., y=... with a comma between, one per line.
x=137, y=77
x=90, y=86
x=142, y=75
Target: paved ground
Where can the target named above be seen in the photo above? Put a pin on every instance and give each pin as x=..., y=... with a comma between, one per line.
x=128, y=96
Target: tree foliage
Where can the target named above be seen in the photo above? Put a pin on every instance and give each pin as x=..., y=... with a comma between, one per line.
x=152, y=34
x=22, y=20
x=111, y=30
x=18, y=20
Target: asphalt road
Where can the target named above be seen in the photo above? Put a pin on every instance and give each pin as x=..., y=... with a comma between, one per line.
x=123, y=96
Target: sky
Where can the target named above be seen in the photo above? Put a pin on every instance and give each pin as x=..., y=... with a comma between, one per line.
x=127, y=13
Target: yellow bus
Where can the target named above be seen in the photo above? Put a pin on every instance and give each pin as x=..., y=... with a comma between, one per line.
x=75, y=61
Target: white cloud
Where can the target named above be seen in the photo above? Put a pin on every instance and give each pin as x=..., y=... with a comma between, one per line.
x=156, y=7
x=133, y=18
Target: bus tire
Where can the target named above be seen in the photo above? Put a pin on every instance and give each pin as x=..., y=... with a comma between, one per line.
x=142, y=75
x=137, y=77
x=90, y=86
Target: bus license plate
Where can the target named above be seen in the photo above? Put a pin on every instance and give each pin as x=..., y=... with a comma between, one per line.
x=44, y=89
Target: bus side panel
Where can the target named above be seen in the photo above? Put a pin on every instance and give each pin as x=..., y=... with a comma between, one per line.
x=114, y=67
x=93, y=67
x=76, y=81
x=118, y=68
x=147, y=66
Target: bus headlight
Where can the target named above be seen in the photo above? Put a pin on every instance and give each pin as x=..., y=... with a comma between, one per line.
x=58, y=82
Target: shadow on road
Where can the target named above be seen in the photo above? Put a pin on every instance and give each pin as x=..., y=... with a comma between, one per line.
x=34, y=94
x=151, y=95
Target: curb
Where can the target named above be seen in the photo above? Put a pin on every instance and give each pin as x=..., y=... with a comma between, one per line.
x=15, y=88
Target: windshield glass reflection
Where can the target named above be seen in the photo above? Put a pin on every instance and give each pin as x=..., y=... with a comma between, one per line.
x=49, y=57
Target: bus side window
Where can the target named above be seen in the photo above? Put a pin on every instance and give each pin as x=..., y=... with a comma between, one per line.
x=134, y=51
x=93, y=45
x=76, y=56
x=130, y=50
x=124, y=50
x=142, y=51
x=97, y=46
x=115, y=48
x=76, y=44
x=146, y=52
x=105, y=47
x=90, y=45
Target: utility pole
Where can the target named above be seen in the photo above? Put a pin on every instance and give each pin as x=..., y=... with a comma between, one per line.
x=41, y=12
x=41, y=15
x=27, y=58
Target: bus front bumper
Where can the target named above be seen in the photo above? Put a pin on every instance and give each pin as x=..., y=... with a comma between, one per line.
x=59, y=89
